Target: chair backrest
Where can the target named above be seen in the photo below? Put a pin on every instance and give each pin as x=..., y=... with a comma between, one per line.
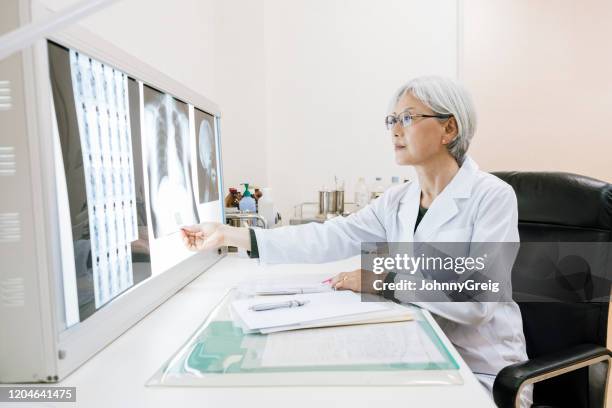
x=562, y=208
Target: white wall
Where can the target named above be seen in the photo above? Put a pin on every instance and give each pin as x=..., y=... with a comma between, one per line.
x=331, y=68
x=540, y=75
x=176, y=38
x=240, y=90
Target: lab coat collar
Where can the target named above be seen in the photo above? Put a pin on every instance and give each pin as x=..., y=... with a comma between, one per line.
x=444, y=207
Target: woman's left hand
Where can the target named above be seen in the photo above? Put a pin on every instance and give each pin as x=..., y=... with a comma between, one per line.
x=358, y=281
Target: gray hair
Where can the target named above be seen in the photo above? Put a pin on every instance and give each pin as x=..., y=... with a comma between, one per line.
x=446, y=96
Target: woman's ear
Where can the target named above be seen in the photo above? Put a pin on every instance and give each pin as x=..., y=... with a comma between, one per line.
x=450, y=130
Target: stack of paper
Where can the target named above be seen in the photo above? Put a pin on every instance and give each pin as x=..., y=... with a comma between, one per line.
x=392, y=313
x=335, y=308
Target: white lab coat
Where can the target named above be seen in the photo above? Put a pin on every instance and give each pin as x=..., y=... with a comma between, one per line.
x=474, y=207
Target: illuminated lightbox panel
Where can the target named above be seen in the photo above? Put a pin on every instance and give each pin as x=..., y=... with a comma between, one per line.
x=138, y=164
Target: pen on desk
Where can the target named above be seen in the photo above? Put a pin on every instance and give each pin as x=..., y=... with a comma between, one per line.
x=277, y=305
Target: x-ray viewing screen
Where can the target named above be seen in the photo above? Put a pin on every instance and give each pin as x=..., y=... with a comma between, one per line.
x=166, y=138
x=207, y=156
x=126, y=151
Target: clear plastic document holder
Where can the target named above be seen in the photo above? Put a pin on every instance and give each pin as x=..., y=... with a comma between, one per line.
x=220, y=354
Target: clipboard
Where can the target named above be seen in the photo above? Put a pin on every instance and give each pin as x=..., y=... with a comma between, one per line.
x=220, y=354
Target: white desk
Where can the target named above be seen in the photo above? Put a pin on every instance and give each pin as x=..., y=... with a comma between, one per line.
x=115, y=377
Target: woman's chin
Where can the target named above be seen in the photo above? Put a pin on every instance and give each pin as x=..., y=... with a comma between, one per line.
x=403, y=159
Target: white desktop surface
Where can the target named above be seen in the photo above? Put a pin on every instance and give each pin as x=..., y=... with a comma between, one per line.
x=116, y=376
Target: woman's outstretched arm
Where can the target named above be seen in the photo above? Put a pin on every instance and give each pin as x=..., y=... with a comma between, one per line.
x=337, y=238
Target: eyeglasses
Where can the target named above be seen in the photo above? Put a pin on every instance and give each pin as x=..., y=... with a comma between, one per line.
x=406, y=118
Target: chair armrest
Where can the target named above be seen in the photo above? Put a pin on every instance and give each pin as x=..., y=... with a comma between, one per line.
x=512, y=378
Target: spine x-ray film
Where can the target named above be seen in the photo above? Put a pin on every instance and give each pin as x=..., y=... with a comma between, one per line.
x=101, y=100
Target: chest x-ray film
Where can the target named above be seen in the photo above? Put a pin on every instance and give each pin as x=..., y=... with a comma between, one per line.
x=166, y=139
x=207, y=157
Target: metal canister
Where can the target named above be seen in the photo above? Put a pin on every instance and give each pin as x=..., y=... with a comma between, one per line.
x=340, y=202
x=327, y=202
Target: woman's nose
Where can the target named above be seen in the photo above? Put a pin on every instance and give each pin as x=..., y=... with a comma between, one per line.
x=398, y=132
x=398, y=129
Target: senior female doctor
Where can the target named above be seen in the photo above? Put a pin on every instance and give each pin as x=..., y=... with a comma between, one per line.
x=451, y=201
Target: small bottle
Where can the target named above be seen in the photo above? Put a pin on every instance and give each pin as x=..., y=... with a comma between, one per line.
x=265, y=207
x=361, y=193
x=257, y=195
x=232, y=200
x=247, y=203
x=377, y=189
x=229, y=198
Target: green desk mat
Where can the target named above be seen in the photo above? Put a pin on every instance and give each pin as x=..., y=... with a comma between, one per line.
x=217, y=352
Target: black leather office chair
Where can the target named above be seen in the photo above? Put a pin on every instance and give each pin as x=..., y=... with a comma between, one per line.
x=566, y=340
